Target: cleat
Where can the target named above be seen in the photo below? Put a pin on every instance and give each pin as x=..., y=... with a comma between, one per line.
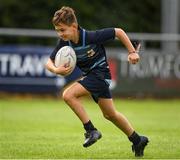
x=91, y=137
x=139, y=148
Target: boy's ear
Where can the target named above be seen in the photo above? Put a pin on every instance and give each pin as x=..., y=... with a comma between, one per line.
x=74, y=25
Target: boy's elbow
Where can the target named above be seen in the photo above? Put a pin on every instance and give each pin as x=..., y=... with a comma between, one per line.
x=118, y=31
x=46, y=65
x=49, y=65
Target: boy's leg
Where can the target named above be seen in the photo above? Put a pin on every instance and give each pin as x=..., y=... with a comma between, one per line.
x=71, y=96
x=115, y=117
x=110, y=113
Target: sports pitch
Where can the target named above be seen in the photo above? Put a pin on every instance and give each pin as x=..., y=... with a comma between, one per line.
x=48, y=129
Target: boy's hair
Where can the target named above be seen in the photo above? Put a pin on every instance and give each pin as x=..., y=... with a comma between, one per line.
x=65, y=15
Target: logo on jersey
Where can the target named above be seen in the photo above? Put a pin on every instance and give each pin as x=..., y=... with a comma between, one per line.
x=90, y=53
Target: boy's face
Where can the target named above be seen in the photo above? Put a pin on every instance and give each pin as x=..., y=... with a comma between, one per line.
x=66, y=32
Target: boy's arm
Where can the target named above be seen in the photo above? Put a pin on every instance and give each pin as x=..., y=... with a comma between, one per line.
x=133, y=56
x=62, y=70
x=50, y=66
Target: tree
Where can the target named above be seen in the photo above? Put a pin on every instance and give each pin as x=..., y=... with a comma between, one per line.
x=131, y=15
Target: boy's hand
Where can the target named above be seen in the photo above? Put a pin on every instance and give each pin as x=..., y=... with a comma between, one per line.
x=63, y=70
x=133, y=57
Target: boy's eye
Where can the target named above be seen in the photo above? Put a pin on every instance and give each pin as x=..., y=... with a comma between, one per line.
x=60, y=30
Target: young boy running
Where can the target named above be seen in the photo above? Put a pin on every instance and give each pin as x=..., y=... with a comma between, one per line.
x=91, y=59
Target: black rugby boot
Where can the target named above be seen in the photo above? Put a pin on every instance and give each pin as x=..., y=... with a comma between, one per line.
x=91, y=137
x=139, y=148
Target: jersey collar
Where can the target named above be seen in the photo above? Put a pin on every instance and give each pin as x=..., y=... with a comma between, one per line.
x=81, y=38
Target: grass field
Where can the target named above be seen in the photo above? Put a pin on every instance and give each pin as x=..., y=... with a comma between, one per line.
x=47, y=129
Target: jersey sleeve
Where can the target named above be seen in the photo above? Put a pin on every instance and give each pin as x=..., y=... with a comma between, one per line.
x=60, y=44
x=100, y=36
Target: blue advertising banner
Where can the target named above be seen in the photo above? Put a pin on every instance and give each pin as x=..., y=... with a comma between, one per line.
x=22, y=70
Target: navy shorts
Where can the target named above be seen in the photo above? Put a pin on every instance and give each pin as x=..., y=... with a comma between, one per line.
x=99, y=88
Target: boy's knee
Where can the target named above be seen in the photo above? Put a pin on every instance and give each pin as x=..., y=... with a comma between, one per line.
x=67, y=96
x=110, y=117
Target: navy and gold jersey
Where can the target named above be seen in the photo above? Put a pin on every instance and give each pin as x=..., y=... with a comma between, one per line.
x=90, y=52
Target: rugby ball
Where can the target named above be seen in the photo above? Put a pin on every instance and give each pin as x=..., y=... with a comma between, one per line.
x=66, y=56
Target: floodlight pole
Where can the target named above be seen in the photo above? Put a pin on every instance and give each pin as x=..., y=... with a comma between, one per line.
x=170, y=19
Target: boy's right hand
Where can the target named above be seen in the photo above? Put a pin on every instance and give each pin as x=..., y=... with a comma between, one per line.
x=63, y=70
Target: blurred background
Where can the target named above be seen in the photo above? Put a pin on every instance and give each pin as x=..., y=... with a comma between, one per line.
x=27, y=38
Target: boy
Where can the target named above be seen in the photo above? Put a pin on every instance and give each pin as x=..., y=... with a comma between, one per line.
x=91, y=59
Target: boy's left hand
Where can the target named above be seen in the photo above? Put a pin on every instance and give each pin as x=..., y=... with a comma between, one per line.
x=133, y=58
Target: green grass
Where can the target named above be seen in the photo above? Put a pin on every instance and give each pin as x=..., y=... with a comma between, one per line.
x=48, y=129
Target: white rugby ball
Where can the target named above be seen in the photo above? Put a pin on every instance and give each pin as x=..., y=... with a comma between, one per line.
x=66, y=56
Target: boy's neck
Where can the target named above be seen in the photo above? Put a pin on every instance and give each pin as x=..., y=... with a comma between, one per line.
x=76, y=37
